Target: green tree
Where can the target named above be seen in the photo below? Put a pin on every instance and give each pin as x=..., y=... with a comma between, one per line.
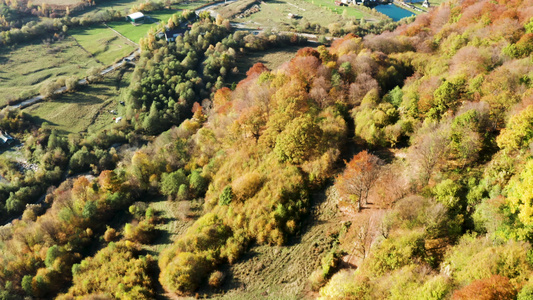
x=171, y=183
x=26, y=284
x=226, y=196
x=197, y=182
x=51, y=254
x=81, y=160
x=446, y=97
x=299, y=141
x=151, y=122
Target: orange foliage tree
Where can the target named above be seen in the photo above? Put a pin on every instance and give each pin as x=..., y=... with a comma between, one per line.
x=495, y=287
x=358, y=178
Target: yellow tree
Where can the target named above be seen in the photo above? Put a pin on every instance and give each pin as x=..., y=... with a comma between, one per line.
x=520, y=194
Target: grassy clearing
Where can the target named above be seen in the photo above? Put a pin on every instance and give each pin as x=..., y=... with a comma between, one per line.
x=124, y=6
x=176, y=219
x=275, y=14
x=135, y=33
x=60, y=2
x=87, y=109
x=23, y=69
x=351, y=11
x=228, y=11
x=267, y=272
x=272, y=58
x=104, y=44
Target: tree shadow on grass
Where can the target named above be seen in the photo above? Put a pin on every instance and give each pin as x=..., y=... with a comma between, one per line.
x=39, y=121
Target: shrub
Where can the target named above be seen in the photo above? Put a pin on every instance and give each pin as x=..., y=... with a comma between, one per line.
x=226, y=196
x=478, y=258
x=110, y=234
x=396, y=252
x=494, y=287
x=185, y=273
x=346, y=284
x=216, y=279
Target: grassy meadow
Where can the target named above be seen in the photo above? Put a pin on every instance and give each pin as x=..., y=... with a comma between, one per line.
x=59, y=2
x=177, y=216
x=271, y=58
x=124, y=6
x=135, y=33
x=84, y=110
x=275, y=14
x=105, y=45
x=351, y=11
x=24, y=68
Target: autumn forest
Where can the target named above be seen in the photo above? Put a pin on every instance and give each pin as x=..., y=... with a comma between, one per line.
x=420, y=137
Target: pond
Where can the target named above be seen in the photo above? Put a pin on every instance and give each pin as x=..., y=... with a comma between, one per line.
x=394, y=12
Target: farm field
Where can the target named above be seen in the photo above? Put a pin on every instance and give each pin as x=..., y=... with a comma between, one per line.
x=124, y=6
x=274, y=14
x=23, y=69
x=330, y=5
x=60, y=2
x=135, y=33
x=84, y=110
x=105, y=45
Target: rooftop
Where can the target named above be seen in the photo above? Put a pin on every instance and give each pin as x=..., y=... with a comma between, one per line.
x=136, y=15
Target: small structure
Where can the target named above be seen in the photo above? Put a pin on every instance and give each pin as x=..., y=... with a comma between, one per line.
x=425, y=4
x=171, y=35
x=136, y=18
x=6, y=139
x=293, y=16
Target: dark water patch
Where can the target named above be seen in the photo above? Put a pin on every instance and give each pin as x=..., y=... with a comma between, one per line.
x=394, y=12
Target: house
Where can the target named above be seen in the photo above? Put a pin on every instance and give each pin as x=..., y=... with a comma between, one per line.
x=6, y=139
x=172, y=34
x=136, y=18
x=425, y=4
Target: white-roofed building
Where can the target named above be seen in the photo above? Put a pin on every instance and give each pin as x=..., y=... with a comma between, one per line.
x=136, y=17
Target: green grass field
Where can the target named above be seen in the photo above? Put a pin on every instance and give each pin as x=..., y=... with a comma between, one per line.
x=23, y=69
x=330, y=5
x=84, y=110
x=60, y=2
x=104, y=44
x=135, y=33
x=124, y=6
x=275, y=14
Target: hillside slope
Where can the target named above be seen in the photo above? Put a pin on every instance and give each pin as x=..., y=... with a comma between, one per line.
x=435, y=203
